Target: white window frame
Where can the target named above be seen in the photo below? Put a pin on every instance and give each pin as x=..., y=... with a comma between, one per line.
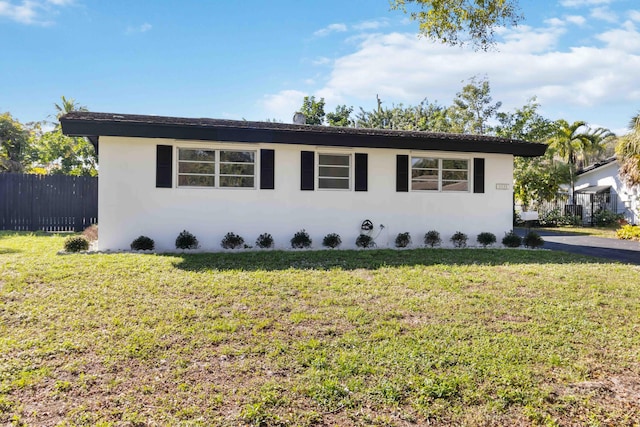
x=350, y=166
x=217, y=175
x=440, y=160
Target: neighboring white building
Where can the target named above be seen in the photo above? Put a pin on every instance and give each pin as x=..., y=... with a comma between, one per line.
x=162, y=175
x=602, y=180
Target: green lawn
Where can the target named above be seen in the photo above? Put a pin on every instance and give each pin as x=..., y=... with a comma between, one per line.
x=369, y=338
x=608, y=232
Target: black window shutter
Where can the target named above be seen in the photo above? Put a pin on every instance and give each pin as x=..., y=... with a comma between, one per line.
x=402, y=173
x=306, y=170
x=361, y=171
x=164, y=166
x=267, y=171
x=478, y=175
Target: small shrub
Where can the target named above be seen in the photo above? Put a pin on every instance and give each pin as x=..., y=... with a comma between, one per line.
x=76, y=244
x=628, y=232
x=331, y=240
x=301, y=240
x=533, y=240
x=459, y=239
x=365, y=241
x=91, y=233
x=432, y=238
x=604, y=217
x=186, y=240
x=486, y=239
x=264, y=241
x=511, y=240
x=403, y=240
x=232, y=241
x=143, y=243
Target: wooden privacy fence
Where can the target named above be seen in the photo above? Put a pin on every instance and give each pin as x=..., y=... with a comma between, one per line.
x=47, y=202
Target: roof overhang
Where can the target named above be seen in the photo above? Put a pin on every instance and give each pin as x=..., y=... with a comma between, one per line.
x=95, y=125
x=595, y=189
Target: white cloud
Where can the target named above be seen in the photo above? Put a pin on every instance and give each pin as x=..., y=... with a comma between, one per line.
x=29, y=11
x=604, y=14
x=331, y=28
x=626, y=39
x=403, y=68
x=634, y=15
x=139, y=29
x=576, y=19
x=370, y=25
x=283, y=104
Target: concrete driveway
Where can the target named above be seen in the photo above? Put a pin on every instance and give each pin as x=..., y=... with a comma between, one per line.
x=627, y=251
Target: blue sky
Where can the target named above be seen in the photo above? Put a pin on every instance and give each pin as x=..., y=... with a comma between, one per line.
x=256, y=59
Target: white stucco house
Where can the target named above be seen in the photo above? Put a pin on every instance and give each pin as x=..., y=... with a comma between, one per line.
x=162, y=175
x=601, y=181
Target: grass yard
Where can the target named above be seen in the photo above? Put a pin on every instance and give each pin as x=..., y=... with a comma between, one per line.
x=607, y=232
x=364, y=338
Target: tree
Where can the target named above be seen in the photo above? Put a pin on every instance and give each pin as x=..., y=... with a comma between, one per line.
x=15, y=150
x=628, y=152
x=313, y=110
x=341, y=117
x=473, y=108
x=460, y=22
x=571, y=142
x=61, y=154
x=426, y=116
x=536, y=179
x=67, y=106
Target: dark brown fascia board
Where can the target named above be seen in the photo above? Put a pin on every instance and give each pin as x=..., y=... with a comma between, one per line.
x=94, y=125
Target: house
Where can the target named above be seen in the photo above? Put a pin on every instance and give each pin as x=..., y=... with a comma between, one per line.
x=162, y=175
x=599, y=186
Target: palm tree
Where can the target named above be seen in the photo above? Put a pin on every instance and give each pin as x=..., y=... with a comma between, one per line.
x=573, y=143
x=628, y=151
x=67, y=106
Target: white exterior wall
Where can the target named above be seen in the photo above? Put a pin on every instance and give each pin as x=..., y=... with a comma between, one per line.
x=130, y=205
x=608, y=175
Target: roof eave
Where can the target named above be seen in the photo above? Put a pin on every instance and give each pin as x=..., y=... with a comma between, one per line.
x=93, y=129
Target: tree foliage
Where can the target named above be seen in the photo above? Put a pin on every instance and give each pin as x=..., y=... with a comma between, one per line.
x=61, y=154
x=341, y=117
x=460, y=22
x=473, y=108
x=313, y=110
x=628, y=153
x=15, y=150
x=574, y=143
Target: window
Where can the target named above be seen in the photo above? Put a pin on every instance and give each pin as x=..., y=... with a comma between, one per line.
x=216, y=168
x=431, y=174
x=334, y=171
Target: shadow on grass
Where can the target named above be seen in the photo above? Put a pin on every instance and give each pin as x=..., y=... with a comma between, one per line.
x=371, y=259
x=4, y=251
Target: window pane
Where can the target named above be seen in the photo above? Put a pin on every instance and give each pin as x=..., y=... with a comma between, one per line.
x=424, y=174
x=236, y=181
x=424, y=185
x=198, y=155
x=424, y=162
x=328, y=171
x=333, y=159
x=454, y=175
x=455, y=186
x=195, y=181
x=236, y=169
x=204, y=168
x=237, y=156
x=340, y=184
x=454, y=164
